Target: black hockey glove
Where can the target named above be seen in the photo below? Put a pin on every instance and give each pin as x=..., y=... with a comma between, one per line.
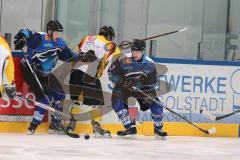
x=89, y=56
x=127, y=84
x=10, y=90
x=20, y=41
x=142, y=75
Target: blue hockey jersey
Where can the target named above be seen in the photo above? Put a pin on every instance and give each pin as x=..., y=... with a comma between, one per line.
x=44, y=51
x=121, y=68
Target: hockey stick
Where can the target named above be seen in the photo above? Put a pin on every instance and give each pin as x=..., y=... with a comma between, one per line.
x=216, y=118
x=210, y=131
x=44, y=106
x=52, y=110
x=42, y=90
x=160, y=35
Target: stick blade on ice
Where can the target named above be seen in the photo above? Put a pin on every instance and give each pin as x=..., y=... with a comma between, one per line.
x=182, y=30
x=212, y=130
x=208, y=115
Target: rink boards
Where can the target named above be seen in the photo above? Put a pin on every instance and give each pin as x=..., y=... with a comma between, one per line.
x=145, y=128
x=186, y=87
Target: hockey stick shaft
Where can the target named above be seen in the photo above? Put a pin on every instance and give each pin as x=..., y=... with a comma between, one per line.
x=44, y=106
x=36, y=78
x=189, y=122
x=52, y=110
x=217, y=118
x=227, y=115
x=153, y=37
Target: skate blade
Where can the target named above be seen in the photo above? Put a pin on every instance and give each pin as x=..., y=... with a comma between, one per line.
x=71, y=131
x=51, y=131
x=160, y=137
x=30, y=133
x=129, y=136
x=98, y=135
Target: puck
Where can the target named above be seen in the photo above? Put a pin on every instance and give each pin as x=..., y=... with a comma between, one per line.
x=86, y=136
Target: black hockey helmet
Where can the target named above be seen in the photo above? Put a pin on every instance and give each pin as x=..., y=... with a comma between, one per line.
x=107, y=32
x=54, y=25
x=138, y=45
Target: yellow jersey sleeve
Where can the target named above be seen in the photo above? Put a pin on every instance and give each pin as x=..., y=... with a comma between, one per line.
x=6, y=65
x=104, y=62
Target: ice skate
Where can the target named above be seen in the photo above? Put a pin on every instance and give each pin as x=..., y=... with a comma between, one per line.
x=129, y=131
x=159, y=133
x=56, y=126
x=32, y=128
x=99, y=132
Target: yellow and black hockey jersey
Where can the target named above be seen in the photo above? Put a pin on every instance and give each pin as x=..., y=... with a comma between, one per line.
x=6, y=64
x=104, y=50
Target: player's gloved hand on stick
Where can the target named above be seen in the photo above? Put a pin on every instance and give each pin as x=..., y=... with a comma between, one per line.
x=10, y=90
x=142, y=75
x=128, y=84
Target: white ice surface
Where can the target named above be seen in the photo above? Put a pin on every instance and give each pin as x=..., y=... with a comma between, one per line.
x=61, y=147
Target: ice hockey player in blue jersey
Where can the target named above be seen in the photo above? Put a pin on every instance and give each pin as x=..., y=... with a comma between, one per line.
x=135, y=69
x=43, y=51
